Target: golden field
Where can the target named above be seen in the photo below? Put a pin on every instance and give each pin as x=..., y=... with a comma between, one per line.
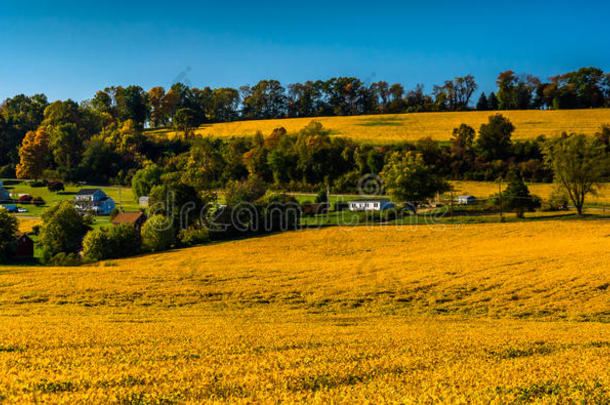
x=482, y=313
x=27, y=224
x=382, y=129
x=483, y=189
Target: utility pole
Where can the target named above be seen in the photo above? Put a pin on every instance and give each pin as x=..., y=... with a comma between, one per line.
x=501, y=202
x=120, y=199
x=451, y=204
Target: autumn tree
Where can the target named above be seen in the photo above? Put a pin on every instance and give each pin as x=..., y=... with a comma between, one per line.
x=33, y=155
x=155, y=99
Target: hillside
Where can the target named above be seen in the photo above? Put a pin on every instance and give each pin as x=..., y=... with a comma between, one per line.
x=473, y=313
x=410, y=127
x=555, y=269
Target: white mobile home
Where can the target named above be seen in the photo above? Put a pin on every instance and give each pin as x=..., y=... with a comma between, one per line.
x=378, y=204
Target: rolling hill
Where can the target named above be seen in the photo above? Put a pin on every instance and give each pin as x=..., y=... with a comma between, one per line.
x=383, y=129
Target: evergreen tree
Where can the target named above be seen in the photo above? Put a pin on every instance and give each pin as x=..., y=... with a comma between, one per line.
x=517, y=196
x=492, y=101
x=482, y=104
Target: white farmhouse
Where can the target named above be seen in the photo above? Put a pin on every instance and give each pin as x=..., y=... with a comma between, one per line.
x=93, y=201
x=377, y=204
x=466, y=200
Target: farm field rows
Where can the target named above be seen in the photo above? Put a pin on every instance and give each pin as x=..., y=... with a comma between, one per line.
x=471, y=313
x=383, y=129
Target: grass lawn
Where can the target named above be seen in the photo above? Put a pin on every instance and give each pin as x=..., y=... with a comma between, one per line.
x=17, y=187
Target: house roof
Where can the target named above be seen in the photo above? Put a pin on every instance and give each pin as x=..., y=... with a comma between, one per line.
x=128, y=218
x=371, y=200
x=88, y=191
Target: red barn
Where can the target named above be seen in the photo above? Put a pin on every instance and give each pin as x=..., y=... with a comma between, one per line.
x=25, y=247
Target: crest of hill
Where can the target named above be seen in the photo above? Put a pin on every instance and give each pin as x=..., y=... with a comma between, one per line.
x=383, y=129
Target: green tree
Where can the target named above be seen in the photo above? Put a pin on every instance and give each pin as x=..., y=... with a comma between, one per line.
x=125, y=240
x=66, y=146
x=517, y=196
x=96, y=245
x=132, y=104
x=158, y=234
x=494, y=141
x=18, y=115
x=245, y=191
x=180, y=203
x=122, y=240
x=322, y=197
x=492, y=102
x=374, y=161
x=408, y=179
x=579, y=164
x=145, y=179
x=185, y=121
x=462, y=141
x=62, y=230
x=8, y=234
x=482, y=104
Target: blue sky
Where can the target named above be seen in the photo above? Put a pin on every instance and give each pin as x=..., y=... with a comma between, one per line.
x=70, y=49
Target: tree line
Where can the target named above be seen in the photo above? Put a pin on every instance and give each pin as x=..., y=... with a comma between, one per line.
x=72, y=143
x=186, y=107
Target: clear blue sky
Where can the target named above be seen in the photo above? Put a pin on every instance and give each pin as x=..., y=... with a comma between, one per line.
x=72, y=49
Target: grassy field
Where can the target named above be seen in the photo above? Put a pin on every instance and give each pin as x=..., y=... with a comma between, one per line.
x=17, y=188
x=508, y=313
x=382, y=129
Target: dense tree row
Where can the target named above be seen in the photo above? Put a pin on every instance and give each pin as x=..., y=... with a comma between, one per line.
x=65, y=126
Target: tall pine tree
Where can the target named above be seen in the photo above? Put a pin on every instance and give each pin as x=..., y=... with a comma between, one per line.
x=482, y=103
x=492, y=101
x=517, y=196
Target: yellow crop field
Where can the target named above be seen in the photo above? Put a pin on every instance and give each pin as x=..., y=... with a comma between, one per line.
x=463, y=314
x=26, y=224
x=382, y=129
x=483, y=189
